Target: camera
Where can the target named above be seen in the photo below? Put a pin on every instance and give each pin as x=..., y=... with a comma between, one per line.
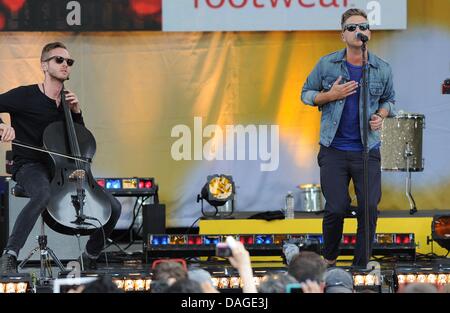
x=294, y=288
x=293, y=246
x=223, y=250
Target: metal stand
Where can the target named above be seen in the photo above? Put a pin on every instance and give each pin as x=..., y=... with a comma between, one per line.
x=408, y=155
x=81, y=252
x=44, y=251
x=364, y=92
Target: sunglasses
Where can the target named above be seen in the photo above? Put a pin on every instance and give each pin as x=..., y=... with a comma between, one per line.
x=352, y=27
x=60, y=60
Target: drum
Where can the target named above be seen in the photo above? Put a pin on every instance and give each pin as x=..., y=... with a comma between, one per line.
x=311, y=198
x=401, y=139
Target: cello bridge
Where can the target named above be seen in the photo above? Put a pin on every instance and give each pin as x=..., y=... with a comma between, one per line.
x=77, y=175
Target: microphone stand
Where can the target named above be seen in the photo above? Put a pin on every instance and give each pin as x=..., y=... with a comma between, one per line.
x=364, y=93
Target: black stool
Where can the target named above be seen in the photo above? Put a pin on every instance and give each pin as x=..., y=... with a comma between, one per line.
x=45, y=252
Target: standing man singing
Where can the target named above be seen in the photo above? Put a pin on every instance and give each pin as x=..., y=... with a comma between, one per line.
x=334, y=86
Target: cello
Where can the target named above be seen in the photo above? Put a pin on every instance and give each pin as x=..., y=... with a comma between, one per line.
x=78, y=204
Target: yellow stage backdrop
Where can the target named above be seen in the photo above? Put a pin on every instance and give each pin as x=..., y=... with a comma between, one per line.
x=138, y=89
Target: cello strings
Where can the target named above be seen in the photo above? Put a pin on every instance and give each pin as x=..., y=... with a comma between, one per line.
x=75, y=149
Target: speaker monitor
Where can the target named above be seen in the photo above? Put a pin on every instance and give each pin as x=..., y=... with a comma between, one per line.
x=153, y=219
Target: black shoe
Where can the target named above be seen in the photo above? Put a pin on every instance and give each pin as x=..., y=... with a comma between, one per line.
x=8, y=264
x=88, y=263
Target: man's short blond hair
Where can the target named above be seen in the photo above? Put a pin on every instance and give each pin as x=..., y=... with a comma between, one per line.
x=49, y=47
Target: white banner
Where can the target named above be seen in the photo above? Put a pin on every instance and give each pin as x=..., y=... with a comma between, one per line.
x=274, y=15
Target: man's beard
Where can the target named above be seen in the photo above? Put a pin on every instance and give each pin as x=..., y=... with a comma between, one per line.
x=59, y=78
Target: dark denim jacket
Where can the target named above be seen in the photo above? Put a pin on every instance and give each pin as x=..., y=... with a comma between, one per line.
x=327, y=71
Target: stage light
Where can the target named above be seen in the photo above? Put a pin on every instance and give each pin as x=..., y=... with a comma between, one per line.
x=440, y=230
x=442, y=279
x=349, y=239
x=195, y=240
x=235, y=282
x=263, y=239
x=359, y=280
x=268, y=244
x=119, y=283
x=279, y=239
x=421, y=278
x=403, y=238
x=401, y=279
x=101, y=182
x=17, y=283
x=224, y=282
x=159, y=240
x=126, y=281
x=425, y=275
x=129, y=285
x=13, y=287
x=139, y=285
x=246, y=239
x=129, y=183
x=113, y=184
x=431, y=279
x=211, y=240
x=145, y=183
x=411, y=278
x=135, y=282
x=215, y=281
x=148, y=283
x=367, y=281
x=218, y=191
x=177, y=239
x=129, y=186
x=385, y=238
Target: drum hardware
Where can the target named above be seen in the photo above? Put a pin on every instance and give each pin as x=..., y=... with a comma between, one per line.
x=401, y=148
x=408, y=155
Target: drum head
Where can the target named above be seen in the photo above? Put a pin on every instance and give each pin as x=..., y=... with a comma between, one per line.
x=401, y=143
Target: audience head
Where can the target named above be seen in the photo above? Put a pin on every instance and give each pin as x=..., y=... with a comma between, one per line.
x=169, y=272
x=338, y=280
x=103, y=284
x=307, y=265
x=203, y=278
x=276, y=283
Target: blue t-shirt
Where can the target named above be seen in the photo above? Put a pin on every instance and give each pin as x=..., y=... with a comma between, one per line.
x=348, y=136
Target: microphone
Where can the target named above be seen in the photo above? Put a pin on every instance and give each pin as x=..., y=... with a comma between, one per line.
x=362, y=37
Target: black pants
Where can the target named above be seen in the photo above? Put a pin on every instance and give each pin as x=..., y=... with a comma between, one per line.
x=336, y=169
x=35, y=179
